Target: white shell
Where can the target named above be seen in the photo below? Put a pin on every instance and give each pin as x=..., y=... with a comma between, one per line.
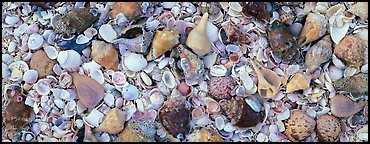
x=69, y=59
x=169, y=79
x=261, y=137
x=94, y=118
x=82, y=39
x=130, y=92
x=156, y=98
x=30, y=76
x=146, y=79
x=218, y=70
x=97, y=75
x=350, y=71
x=43, y=87
x=35, y=41
x=209, y=60
x=51, y=52
x=135, y=62
x=90, y=33
x=235, y=6
x=11, y=20
x=219, y=123
x=164, y=62
x=337, y=62
x=168, y=5
x=247, y=80
x=212, y=32
x=109, y=99
x=335, y=73
x=12, y=46
x=59, y=103
x=107, y=32
x=284, y=115
x=363, y=133
x=292, y=69
x=229, y=127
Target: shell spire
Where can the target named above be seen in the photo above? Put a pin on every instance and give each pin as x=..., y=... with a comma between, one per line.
x=198, y=40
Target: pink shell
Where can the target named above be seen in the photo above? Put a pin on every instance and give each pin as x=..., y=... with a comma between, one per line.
x=184, y=89
x=138, y=115
x=198, y=112
x=212, y=106
x=118, y=79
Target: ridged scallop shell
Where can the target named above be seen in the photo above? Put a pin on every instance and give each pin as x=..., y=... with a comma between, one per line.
x=113, y=123
x=298, y=82
x=162, y=42
x=313, y=29
x=105, y=54
x=69, y=59
x=319, y=53
x=89, y=91
x=198, y=40
x=268, y=81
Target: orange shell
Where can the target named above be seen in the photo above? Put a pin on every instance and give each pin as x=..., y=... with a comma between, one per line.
x=162, y=42
x=129, y=9
x=312, y=27
x=105, y=54
x=89, y=91
x=298, y=82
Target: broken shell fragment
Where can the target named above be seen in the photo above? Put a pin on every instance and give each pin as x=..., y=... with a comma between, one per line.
x=89, y=91
x=105, y=54
x=360, y=9
x=204, y=135
x=328, y=128
x=319, y=53
x=299, y=126
x=298, y=82
x=357, y=85
x=313, y=29
x=198, y=40
x=162, y=42
x=268, y=81
x=113, y=122
x=342, y=106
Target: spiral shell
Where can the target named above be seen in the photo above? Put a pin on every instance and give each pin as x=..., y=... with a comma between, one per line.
x=105, y=54
x=162, y=42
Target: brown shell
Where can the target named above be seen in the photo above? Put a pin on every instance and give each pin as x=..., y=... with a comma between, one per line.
x=138, y=131
x=235, y=35
x=221, y=87
x=162, y=42
x=351, y=50
x=17, y=113
x=319, y=53
x=43, y=5
x=299, y=126
x=105, y=54
x=114, y=122
x=328, y=128
x=129, y=9
x=42, y=64
x=342, y=106
x=357, y=85
x=256, y=9
x=175, y=115
x=75, y=21
x=205, y=135
x=240, y=113
x=89, y=91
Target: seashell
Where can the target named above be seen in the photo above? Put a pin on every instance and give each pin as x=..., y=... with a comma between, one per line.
x=138, y=131
x=97, y=75
x=298, y=82
x=130, y=92
x=198, y=113
x=16, y=114
x=299, y=126
x=107, y=32
x=89, y=91
x=198, y=40
x=209, y=60
x=30, y=76
x=356, y=85
x=283, y=43
x=113, y=122
x=51, y=52
x=94, y=118
x=69, y=59
x=235, y=6
x=247, y=80
x=105, y=54
x=318, y=54
x=328, y=128
x=35, y=41
x=184, y=89
x=204, y=135
x=135, y=62
x=362, y=133
x=268, y=81
x=131, y=10
x=313, y=29
x=70, y=44
x=118, y=79
x=41, y=64
x=28, y=137
x=218, y=70
x=162, y=42
x=212, y=32
x=168, y=79
x=174, y=115
x=11, y=20
x=335, y=73
x=146, y=79
x=240, y=113
x=65, y=80
x=351, y=50
x=342, y=106
x=90, y=33
x=42, y=87
x=82, y=39
x=135, y=38
x=221, y=87
x=75, y=21
x=295, y=29
x=191, y=65
x=360, y=9
x=212, y=106
x=257, y=10
x=156, y=98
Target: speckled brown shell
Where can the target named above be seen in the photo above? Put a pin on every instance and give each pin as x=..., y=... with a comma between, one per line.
x=357, y=85
x=328, y=128
x=256, y=9
x=105, y=54
x=175, y=115
x=75, y=21
x=351, y=50
x=221, y=87
x=205, y=135
x=299, y=126
x=42, y=64
x=240, y=113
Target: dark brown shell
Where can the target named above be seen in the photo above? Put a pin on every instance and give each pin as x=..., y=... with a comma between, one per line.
x=299, y=126
x=256, y=9
x=351, y=50
x=175, y=115
x=235, y=35
x=17, y=113
x=43, y=5
x=42, y=64
x=240, y=113
x=357, y=85
x=283, y=44
x=328, y=128
x=75, y=21
x=89, y=91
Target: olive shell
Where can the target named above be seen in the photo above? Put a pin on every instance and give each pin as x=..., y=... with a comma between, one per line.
x=328, y=128
x=299, y=126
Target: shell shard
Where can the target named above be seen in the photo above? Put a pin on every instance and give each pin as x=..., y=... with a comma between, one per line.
x=268, y=81
x=89, y=91
x=198, y=40
x=162, y=42
x=318, y=54
x=298, y=82
x=342, y=106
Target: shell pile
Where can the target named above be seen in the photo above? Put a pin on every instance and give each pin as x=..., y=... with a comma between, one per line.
x=185, y=71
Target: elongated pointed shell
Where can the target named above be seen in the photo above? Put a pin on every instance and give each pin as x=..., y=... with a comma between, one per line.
x=198, y=40
x=89, y=91
x=298, y=82
x=113, y=122
x=105, y=54
x=162, y=42
x=268, y=81
x=319, y=53
x=314, y=28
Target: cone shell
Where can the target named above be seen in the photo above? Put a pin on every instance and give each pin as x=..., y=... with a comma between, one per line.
x=105, y=54
x=129, y=9
x=162, y=42
x=319, y=53
x=89, y=91
x=299, y=126
x=342, y=106
x=198, y=40
x=298, y=82
x=328, y=128
x=113, y=122
x=268, y=81
x=313, y=29
x=205, y=135
x=351, y=50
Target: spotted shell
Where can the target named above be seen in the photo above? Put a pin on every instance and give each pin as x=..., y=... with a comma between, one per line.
x=328, y=128
x=204, y=135
x=299, y=126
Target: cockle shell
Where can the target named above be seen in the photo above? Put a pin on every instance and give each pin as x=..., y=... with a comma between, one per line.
x=299, y=126
x=35, y=41
x=82, y=39
x=198, y=40
x=319, y=53
x=156, y=98
x=43, y=87
x=328, y=128
x=198, y=112
x=168, y=79
x=107, y=33
x=174, y=115
x=89, y=91
x=30, y=76
x=313, y=29
x=268, y=81
x=136, y=38
x=42, y=64
x=130, y=92
x=351, y=50
x=342, y=106
x=360, y=9
x=204, y=135
x=75, y=21
x=256, y=9
x=105, y=54
x=298, y=82
x=129, y=9
x=138, y=131
x=135, y=62
x=357, y=85
x=51, y=52
x=162, y=42
x=113, y=123
x=184, y=89
x=69, y=59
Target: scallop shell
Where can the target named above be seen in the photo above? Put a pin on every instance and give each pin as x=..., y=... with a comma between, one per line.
x=198, y=40
x=89, y=91
x=313, y=29
x=342, y=106
x=319, y=53
x=162, y=42
x=328, y=128
x=69, y=59
x=268, y=81
x=105, y=54
x=135, y=62
x=107, y=32
x=113, y=122
x=298, y=82
x=35, y=41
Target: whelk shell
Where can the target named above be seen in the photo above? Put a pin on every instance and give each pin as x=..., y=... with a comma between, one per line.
x=268, y=81
x=298, y=82
x=313, y=29
x=89, y=91
x=198, y=40
x=113, y=122
x=357, y=85
x=162, y=42
x=105, y=54
x=135, y=38
x=342, y=106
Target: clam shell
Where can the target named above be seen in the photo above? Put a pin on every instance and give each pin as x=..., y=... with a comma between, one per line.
x=156, y=98
x=35, y=41
x=51, y=52
x=42, y=87
x=11, y=20
x=107, y=32
x=89, y=91
x=118, y=79
x=30, y=76
x=69, y=59
x=113, y=122
x=82, y=39
x=130, y=92
x=235, y=6
x=169, y=79
x=218, y=70
x=97, y=75
x=90, y=33
x=135, y=62
x=342, y=106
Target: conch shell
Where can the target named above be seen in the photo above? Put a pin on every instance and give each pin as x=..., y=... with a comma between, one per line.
x=105, y=54
x=135, y=38
x=342, y=106
x=89, y=91
x=268, y=81
x=319, y=53
x=298, y=82
x=162, y=42
x=314, y=28
x=198, y=40
x=113, y=122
